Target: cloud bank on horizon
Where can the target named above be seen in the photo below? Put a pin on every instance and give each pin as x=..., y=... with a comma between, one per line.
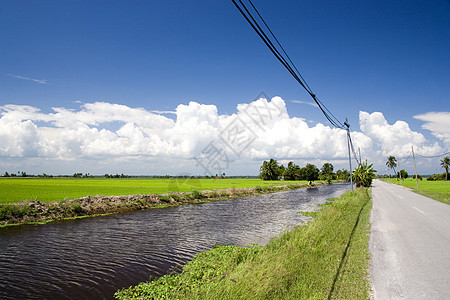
x=106, y=133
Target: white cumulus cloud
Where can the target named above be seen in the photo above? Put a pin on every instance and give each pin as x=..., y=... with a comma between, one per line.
x=257, y=131
x=438, y=123
x=395, y=139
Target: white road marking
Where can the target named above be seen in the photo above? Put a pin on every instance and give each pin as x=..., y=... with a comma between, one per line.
x=400, y=197
x=418, y=210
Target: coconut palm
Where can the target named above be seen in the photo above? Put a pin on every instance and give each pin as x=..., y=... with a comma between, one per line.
x=445, y=163
x=391, y=163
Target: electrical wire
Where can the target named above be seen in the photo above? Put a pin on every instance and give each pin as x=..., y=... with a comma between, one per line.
x=434, y=156
x=409, y=156
x=285, y=60
x=353, y=149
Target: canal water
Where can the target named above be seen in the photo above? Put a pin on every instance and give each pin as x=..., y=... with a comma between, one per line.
x=94, y=257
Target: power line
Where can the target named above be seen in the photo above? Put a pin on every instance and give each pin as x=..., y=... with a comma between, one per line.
x=434, y=156
x=308, y=88
x=353, y=149
x=409, y=156
x=284, y=60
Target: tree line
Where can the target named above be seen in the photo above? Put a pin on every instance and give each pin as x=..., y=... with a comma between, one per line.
x=445, y=163
x=272, y=170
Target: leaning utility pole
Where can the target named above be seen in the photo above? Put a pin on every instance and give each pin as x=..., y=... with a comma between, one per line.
x=349, y=157
x=415, y=169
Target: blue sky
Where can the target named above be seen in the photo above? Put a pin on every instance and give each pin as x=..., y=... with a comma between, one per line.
x=390, y=57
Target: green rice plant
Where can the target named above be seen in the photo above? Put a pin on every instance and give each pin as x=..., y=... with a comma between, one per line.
x=14, y=190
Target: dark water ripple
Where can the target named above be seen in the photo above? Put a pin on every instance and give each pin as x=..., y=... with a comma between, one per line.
x=92, y=258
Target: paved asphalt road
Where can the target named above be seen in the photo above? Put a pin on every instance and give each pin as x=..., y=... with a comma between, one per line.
x=409, y=244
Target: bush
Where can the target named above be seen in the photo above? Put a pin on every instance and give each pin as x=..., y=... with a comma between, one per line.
x=436, y=177
x=77, y=209
x=197, y=195
x=165, y=199
x=8, y=211
x=175, y=197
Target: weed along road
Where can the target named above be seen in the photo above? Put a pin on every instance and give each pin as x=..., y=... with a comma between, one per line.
x=409, y=244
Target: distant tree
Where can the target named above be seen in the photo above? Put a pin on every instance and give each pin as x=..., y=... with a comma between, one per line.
x=445, y=163
x=292, y=172
x=327, y=169
x=269, y=170
x=403, y=173
x=343, y=175
x=310, y=172
x=436, y=177
x=391, y=163
x=326, y=173
x=6, y=174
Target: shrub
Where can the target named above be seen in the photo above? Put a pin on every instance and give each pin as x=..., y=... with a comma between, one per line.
x=77, y=209
x=175, y=197
x=8, y=211
x=197, y=195
x=165, y=199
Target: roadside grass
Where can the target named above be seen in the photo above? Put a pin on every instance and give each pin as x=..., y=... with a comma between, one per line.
x=14, y=190
x=326, y=258
x=437, y=190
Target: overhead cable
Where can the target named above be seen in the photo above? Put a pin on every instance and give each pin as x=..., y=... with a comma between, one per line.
x=353, y=149
x=434, y=156
x=410, y=153
x=283, y=59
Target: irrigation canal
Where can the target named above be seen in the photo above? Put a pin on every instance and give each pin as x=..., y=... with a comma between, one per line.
x=94, y=257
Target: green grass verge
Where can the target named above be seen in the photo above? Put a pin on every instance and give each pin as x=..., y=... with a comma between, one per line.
x=437, y=190
x=327, y=258
x=14, y=190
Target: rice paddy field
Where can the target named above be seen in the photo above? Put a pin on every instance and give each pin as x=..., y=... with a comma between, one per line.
x=438, y=190
x=14, y=190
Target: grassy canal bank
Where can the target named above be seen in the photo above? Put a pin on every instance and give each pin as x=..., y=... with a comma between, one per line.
x=326, y=258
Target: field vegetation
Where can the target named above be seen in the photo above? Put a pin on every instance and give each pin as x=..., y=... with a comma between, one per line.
x=438, y=190
x=18, y=189
x=327, y=258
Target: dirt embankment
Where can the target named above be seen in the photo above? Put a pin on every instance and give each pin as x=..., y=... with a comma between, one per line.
x=36, y=211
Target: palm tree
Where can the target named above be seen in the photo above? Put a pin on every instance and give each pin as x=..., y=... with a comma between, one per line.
x=391, y=163
x=445, y=163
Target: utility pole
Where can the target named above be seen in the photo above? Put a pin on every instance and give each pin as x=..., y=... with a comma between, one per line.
x=359, y=150
x=415, y=169
x=349, y=157
x=399, y=171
